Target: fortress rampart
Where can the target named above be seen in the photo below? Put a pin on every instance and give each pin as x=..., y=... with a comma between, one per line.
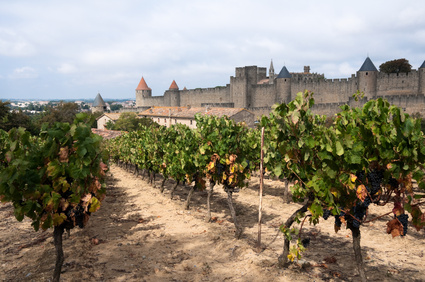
x=252, y=89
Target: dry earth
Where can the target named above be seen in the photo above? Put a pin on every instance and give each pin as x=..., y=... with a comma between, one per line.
x=140, y=234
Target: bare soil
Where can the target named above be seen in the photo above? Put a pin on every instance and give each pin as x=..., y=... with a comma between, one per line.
x=140, y=234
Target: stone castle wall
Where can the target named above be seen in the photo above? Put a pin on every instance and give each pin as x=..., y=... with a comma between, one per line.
x=251, y=89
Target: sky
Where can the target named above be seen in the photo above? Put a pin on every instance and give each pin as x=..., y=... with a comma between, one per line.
x=76, y=49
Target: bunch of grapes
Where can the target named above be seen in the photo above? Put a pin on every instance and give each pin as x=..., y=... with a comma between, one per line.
x=375, y=178
x=360, y=176
x=393, y=183
x=338, y=219
x=403, y=218
x=326, y=214
x=220, y=168
x=359, y=212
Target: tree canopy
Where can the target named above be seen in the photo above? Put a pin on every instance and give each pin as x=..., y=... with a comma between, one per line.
x=128, y=121
x=396, y=66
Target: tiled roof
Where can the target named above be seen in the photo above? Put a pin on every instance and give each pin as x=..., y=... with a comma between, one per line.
x=189, y=112
x=174, y=86
x=113, y=116
x=284, y=73
x=107, y=134
x=422, y=66
x=98, y=101
x=264, y=81
x=368, y=65
x=142, y=85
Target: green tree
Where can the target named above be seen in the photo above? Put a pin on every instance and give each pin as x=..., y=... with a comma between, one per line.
x=115, y=107
x=129, y=121
x=396, y=66
x=4, y=110
x=63, y=112
x=14, y=119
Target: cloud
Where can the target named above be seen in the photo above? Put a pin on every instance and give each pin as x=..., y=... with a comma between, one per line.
x=14, y=45
x=67, y=68
x=23, y=73
x=198, y=43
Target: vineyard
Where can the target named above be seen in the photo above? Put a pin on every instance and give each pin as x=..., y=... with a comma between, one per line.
x=363, y=175
x=142, y=234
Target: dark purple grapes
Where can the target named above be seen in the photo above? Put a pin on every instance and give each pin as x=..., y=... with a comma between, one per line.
x=367, y=201
x=338, y=220
x=326, y=214
x=375, y=178
x=403, y=218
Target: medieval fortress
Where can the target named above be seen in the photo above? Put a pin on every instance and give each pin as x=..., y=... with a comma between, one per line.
x=253, y=90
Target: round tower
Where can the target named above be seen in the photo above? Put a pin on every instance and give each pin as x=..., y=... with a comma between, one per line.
x=142, y=92
x=421, y=71
x=283, y=86
x=173, y=94
x=367, y=78
x=98, y=104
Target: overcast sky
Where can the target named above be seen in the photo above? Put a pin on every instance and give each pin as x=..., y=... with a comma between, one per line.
x=75, y=49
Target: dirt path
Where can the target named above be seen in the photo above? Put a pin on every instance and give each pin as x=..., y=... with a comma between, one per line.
x=140, y=234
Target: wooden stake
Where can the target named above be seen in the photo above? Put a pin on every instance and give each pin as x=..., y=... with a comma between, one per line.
x=261, y=191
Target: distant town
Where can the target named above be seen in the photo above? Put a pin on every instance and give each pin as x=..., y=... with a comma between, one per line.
x=85, y=105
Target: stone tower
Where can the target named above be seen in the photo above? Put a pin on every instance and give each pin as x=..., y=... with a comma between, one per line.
x=367, y=79
x=422, y=78
x=271, y=73
x=172, y=95
x=99, y=105
x=283, y=86
x=142, y=91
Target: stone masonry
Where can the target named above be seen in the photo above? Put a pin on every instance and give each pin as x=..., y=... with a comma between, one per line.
x=251, y=88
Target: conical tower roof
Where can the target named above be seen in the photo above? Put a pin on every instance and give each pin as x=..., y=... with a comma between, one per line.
x=98, y=101
x=284, y=73
x=368, y=65
x=142, y=85
x=174, y=86
x=422, y=66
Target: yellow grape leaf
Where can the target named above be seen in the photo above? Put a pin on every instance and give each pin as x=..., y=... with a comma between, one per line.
x=63, y=204
x=94, y=204
x=361, y=192
x=353, y=178
x=58, y=219
x=211, y=165
x=291, y=257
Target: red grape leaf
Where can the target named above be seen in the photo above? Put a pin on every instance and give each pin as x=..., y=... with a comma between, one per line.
x=395, y=228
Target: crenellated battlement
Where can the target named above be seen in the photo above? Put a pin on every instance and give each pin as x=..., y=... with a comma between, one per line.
x=251, y=88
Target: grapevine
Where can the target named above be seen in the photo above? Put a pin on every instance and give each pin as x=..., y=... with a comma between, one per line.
x=369, y=155
x=55, y=179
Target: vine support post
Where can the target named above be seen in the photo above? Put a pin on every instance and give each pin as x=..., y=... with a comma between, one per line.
x=174, y=189
x=210, y=193
x=283, y=258
x=357, y=252
x=286, y=192
x=260, y=207
x=239, y=229
x=57, y=239
x=161, y=189
x=189, y=196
